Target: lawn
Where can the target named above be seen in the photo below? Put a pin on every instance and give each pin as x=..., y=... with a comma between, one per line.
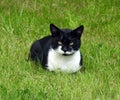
x=24, y=21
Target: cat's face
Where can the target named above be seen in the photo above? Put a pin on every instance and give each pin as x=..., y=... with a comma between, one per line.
x=66, y=41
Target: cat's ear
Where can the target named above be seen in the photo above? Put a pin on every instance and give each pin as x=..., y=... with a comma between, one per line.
x=55, y=31
x=78, y=32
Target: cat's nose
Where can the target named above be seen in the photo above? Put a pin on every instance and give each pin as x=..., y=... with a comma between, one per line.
x=64, y=49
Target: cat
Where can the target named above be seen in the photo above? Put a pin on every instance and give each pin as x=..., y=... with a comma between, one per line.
x=60, y=50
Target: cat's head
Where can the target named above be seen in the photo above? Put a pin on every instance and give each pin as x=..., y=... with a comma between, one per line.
x=66, y=41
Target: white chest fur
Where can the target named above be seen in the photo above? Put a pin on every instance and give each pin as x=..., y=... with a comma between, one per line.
x=68, y=64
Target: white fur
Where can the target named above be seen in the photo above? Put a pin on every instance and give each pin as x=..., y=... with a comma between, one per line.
x=57, y=61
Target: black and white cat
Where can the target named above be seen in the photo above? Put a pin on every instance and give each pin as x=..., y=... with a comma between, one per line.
x=60, y=50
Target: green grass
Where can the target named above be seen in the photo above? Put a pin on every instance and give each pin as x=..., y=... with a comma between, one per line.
x=23, y=21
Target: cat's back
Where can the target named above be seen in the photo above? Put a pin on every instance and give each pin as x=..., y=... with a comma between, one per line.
x=45, y=41
x=41, y=43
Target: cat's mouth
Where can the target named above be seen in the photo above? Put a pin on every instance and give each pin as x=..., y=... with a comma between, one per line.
x=68, y=54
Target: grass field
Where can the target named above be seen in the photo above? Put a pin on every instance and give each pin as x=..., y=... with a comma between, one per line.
x=23, y=21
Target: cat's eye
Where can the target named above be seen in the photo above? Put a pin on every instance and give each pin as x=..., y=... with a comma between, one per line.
x=71, y=43
x=59, y=42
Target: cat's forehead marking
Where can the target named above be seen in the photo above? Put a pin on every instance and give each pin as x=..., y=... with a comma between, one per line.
x=65, y=33
x=66, y=30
